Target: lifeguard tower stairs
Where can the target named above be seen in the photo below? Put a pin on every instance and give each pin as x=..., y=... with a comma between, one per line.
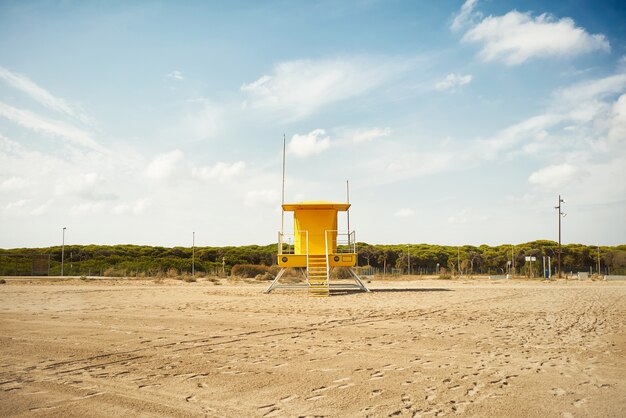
x=316, y=248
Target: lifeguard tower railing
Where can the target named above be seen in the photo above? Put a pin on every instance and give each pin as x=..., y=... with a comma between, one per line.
x=344, y=242
x=288, y=243
x=336, y=243
x=297, y=250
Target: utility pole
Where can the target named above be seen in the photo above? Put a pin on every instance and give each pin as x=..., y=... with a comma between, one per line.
x=560, y=215
x=549, y=268
x=408, y=256
x=193, y=254
x=63, y=250
x=513, y=260
x=598, y=260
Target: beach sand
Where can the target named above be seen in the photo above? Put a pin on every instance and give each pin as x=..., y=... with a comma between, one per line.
x=411, y=348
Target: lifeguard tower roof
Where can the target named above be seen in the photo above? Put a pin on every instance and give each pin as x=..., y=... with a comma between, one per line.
x=316, y=205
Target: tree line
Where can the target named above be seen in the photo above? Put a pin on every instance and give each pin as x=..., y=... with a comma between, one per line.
x=133, y=260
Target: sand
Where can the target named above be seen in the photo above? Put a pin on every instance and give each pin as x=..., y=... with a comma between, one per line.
x=419, y=348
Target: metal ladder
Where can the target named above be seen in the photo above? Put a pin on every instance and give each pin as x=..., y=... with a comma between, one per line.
x=318, y=275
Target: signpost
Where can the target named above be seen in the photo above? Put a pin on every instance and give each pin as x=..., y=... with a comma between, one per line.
x=530, y=259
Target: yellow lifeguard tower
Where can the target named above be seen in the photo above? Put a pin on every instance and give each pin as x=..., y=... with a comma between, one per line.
x=316, y=247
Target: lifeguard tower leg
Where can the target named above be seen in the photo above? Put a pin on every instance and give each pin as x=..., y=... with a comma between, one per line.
x=275, y=281
x=358, y=280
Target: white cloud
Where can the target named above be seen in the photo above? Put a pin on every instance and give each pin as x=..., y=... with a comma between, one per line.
x=456, y=220
x=412, y=164
x=404, y=213
x=521, y=132
x=465, y=16
x=220, y=171
x=468, y=216
x=49, y=127
x=461, y=217
x=617, y=130
x=77, y=184
x=451, y=81
x=87, y=208
x=299, y=88
x=43, y=208
x=41, y=95
x=18, y=204
x=517, y=37
x=202, y=120
x=582, y=124
x=262, y=197
x=136, y=208
x=591, y=90
x=366, y=135
x=309, y=144
x=9, y=146
x=176, y=75
x=556, y=176
x=14, y=183
x=163, y=165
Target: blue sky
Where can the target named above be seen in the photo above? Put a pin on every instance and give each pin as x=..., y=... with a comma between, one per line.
x=456, y=123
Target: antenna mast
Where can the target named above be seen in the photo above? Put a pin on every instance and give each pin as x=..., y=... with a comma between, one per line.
x=282, y=211
x=348, y=211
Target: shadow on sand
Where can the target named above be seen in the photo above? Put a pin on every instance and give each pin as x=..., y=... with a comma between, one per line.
x=408, y=289
x=339, y=292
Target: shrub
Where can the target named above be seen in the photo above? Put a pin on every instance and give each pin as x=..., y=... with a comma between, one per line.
x=189, y=279
x=110, y=272
x=2, y=281
x=274, y=270
x=248, y=271
x=265, y=276
x=341, y=273
x=172, y=272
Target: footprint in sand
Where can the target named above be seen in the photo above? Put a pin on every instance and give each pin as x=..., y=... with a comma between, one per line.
x=377, y=375
x=472, y=391
x=288, y=398
x=558, y=392
x=315, y=398
x=43, y=408
x=320, y=389
x=269, y=410
x=406, y=401
x=579, y=402
x=375, y=393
